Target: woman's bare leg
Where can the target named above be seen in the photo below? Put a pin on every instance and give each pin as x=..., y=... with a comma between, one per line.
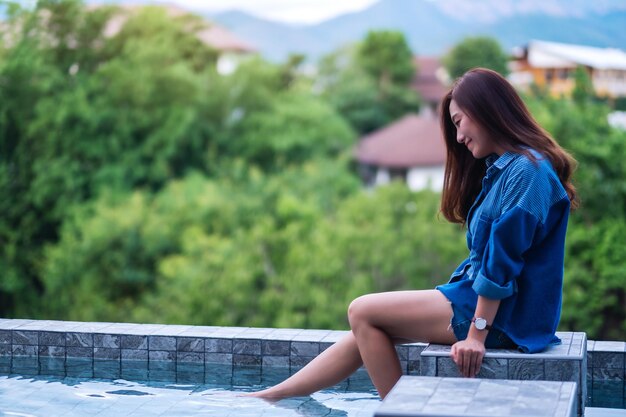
x=379, y=319
x=330, y=367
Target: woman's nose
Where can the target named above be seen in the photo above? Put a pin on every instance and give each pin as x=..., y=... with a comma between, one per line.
x=460, y=137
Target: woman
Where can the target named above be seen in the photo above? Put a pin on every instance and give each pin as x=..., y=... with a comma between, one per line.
x=509, y=182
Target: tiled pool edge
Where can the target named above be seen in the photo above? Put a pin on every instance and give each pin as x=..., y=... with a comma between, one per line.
x=237, y=346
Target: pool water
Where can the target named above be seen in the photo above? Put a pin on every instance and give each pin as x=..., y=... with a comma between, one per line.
x=46, y=396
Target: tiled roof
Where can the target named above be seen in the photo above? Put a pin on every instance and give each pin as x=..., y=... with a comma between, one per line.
x=551, y=54
x=427, y=80
x=411, y=141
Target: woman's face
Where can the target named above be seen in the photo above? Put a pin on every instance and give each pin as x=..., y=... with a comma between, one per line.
x=473, y=136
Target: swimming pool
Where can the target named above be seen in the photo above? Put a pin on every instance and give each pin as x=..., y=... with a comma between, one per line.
x=218, y=395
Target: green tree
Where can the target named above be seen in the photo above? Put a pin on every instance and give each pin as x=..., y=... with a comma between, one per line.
x=583, y=88
x=91, y=113
x=369, y=83
x=281, y=250
x=593, y=293
x=386, y=56
x=478, y=51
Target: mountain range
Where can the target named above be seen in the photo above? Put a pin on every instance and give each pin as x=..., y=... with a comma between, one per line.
x=432, y=27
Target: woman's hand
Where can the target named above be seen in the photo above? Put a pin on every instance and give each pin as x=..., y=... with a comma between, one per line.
x=468, y=355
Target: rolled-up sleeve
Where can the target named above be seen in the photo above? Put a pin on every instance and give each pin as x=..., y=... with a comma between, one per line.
x=510, y=237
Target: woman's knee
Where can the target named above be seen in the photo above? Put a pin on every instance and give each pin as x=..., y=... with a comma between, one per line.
x=359, y=310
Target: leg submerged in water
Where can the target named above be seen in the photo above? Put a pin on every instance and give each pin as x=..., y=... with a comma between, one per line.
x=329, y=368
x=378, y=321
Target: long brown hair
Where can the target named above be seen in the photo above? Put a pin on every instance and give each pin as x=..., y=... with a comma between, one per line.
x=491, y=102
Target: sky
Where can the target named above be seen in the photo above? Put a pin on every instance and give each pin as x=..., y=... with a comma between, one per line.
x=289, y=11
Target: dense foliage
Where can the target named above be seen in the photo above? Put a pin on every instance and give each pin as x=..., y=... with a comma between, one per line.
x=476, y=51
x=136, y=183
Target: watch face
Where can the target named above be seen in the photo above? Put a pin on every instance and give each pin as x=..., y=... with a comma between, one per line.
x=480, y=323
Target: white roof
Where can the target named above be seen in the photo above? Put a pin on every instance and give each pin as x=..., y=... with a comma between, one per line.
x=560, y=55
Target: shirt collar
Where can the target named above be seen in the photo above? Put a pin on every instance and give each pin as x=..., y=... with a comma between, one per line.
x=494, y=161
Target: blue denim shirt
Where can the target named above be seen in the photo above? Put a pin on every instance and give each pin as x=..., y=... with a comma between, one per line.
x=516, y=241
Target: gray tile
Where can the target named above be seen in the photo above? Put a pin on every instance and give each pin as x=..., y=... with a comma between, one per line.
x=526, y=369
x=608, y=346
x=413, y=367
x=161, y=356
x=106, y=353
x=608, y=359
x=590, y=345
x=229, y=332
x=276, y=361
x=246, y=360
x=305, y=348
x=170, y=330
x=134, y=342
x=6, y=350
x=447, y=368
x=218, y=345
x=561, y=370
x=275, y=348
x=494, y=368
x=120, y=328
x=5, y=337
x=79, y=352
x=189, y=344
x=335, y=336
x=607, y=374
x=162, y=343
x=403, y=352
x=190, y=357
x=25, y=337
x=73, y=339
x=35, y=325
x=313, y=338
x=277, y=336
x=415, y=351
x=199, y=331
x=102, y=340
x=324, y=346
x=163, y=366
x=247, y=347
x=15, y=323
x=52, y=338
x=219, y=358
x=300, y=361
x=134, y=354
x=149, y=329
x=52, y=351
x=428, y=365
x=24, y=350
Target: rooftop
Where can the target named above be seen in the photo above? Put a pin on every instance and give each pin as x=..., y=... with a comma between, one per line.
x=408, y=142
x=551, y=54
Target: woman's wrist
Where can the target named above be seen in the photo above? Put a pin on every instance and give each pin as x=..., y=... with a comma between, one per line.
x=477, y=335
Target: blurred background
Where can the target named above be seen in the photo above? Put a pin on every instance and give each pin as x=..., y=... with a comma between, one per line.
x=263, y=163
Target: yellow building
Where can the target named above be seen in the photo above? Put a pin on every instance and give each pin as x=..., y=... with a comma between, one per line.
x=552, y=65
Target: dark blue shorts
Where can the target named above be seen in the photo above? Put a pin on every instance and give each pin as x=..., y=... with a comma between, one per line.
x=495, y=339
